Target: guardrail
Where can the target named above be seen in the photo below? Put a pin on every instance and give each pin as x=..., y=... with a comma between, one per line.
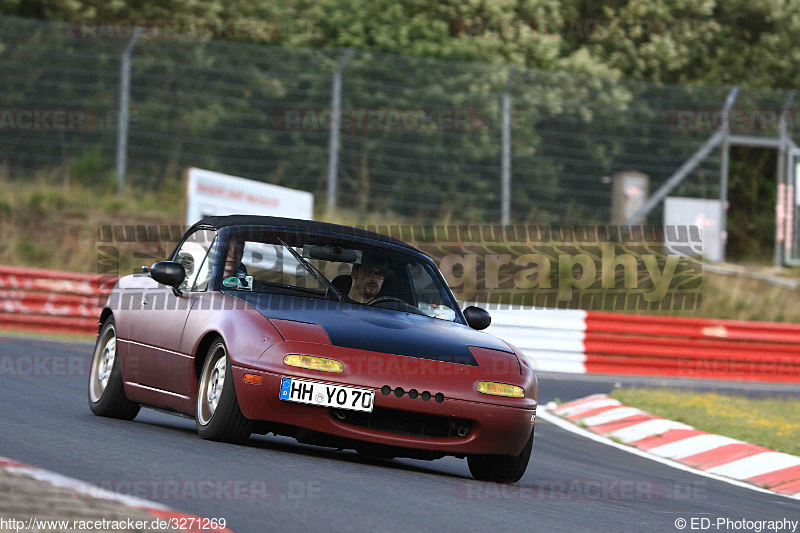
x=593, y=342
x=33, y=299
x=585, y=342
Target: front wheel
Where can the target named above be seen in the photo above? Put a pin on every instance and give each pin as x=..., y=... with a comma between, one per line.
x=501, y=468
x=217, y=413
x=106, y=393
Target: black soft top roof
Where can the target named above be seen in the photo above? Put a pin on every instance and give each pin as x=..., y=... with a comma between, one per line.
x=219, y=222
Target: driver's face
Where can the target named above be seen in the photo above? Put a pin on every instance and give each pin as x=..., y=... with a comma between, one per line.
x=367, y=281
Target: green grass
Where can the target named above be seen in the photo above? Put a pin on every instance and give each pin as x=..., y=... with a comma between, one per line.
x=770, y=422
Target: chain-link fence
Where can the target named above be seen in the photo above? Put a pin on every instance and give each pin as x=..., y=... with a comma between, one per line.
x=417, y=137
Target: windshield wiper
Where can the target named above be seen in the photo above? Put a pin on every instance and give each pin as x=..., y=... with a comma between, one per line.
x=312, y=270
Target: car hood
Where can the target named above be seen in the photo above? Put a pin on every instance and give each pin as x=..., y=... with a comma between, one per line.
x=378, y=330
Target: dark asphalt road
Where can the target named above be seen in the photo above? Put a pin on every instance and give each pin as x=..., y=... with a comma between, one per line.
x=276, y=484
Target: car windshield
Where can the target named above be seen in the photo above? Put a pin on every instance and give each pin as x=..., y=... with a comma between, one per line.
x=361, y=273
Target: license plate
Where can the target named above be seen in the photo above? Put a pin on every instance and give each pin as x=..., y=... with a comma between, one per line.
x=326, y=395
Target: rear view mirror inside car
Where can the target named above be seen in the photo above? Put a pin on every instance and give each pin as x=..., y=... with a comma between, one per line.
x=332, y=253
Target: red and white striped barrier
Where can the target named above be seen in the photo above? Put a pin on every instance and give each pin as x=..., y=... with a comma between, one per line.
x=593, y=342
x=178, y=521
x=715, y=454
x=553, y=340
x=40, y=300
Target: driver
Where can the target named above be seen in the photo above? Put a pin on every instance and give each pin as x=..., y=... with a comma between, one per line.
x=368, y=279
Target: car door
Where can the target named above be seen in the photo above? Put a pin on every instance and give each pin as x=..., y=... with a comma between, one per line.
x=157, y=329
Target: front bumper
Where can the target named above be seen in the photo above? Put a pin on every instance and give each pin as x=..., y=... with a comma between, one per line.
x=495, y=429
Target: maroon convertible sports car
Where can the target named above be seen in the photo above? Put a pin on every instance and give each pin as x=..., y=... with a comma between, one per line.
x=332, y=335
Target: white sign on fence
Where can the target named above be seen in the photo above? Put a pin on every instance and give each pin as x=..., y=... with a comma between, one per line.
x=213, y=193
x=707, y=215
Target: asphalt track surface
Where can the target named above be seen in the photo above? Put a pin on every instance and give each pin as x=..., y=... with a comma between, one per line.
x=275, y=484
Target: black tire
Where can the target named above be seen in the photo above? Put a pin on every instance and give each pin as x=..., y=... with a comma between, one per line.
x=225, y=422
x=501, y=468
x=106, y=392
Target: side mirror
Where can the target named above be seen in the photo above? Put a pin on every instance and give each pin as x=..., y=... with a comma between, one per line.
x=477, y=318
x=168, y=273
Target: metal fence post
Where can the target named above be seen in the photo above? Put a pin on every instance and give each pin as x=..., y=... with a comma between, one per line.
x=336, y=116
x=505, y=172
x=124, y=116
x=724, y=167
x=782, y=180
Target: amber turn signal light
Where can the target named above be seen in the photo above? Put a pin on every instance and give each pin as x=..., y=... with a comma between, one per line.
x=252, y=379
x=500, y=389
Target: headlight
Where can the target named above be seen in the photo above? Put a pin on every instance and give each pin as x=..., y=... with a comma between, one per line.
x=313, y=363
x=500, y=389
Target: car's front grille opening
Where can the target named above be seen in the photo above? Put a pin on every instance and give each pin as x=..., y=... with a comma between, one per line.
x=405, y=423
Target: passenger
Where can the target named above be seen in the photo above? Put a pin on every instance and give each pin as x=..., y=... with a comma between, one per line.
x=234, y=268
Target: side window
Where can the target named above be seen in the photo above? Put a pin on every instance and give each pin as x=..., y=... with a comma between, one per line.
x=194, y=256
x=425, y=289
